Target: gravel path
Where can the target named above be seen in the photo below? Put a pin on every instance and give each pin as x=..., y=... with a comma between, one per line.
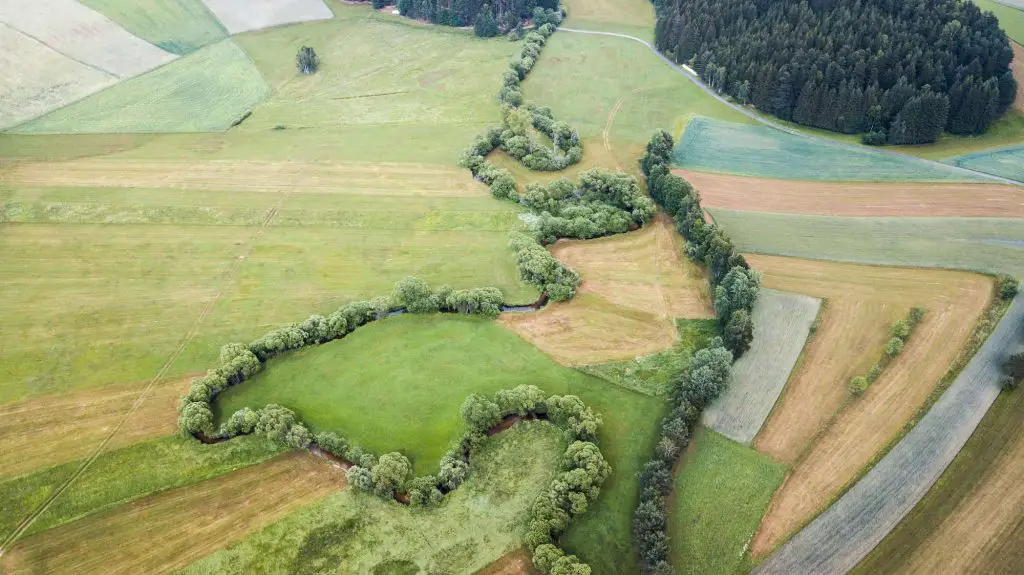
x=748, y=113
x=845, y=533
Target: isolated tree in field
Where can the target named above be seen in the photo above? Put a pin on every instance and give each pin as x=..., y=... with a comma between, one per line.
x=307, y=61
x=485, y=26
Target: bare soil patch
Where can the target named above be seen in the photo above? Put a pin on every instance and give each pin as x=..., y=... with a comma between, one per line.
x=518, y=562
x=857, y=198
x=162, y=533
x=635, y=285
x=250, y=176
x=54, y=429
x=811, y=429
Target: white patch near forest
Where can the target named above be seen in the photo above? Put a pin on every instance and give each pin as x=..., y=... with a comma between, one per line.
x=246, y=15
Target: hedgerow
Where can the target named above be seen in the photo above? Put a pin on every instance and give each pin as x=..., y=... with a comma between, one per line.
x=900, y=332
x=695, y=381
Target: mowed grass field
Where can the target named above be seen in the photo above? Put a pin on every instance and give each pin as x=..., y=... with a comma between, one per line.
x=191, y=521
x=721, y=491
x=1006, y=162
x=635, y=286
x=398, y=384
x=983, y=244
x=749, y=194
x=354, y=532
x=815, y=427
x=177, y=26
x=633, y=17
x=712, y=145
x=204, y=91
x=970, y=520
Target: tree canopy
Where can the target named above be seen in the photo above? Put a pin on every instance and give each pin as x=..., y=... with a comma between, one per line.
x=901, y=71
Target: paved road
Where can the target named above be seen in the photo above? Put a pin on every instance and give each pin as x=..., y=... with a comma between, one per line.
x=758, y=118
x=848, y=530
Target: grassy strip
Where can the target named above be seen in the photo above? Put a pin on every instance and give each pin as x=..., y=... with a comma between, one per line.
x=123, y=475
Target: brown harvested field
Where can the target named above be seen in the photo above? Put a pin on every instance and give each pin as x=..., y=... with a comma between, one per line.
x=1017, y=66
x=248, y=176
x=162, y=533
x=827, y=439
x=970, y=539
x=54, y=429
x=856, y=198
x=518, y=562
x=634, y=286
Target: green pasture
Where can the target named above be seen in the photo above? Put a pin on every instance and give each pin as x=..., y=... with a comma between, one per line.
x=100, y=286
x=1002, y=425
x=711, y=145
x=1006, y=162
x=981, y=244
x=398, y=384
x=123, y=475
x=632, y=17
x=354, y=532
x=721, y=491
x=178, y=26
x=582, y=78
x=204, y=91
x=377, y=72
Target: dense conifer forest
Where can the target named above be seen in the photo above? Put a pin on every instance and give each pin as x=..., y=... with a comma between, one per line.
x=507, y=13
x=899, y=72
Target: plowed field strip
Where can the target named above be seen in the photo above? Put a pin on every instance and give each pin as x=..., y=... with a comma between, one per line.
x=857, y=198
x=164, y=532
x=56, y=429
x=828, y=447
x=401, y=179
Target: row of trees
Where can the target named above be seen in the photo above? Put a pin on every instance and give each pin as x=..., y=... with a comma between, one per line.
x=696, y=382
x=502, y=15
x=733, y=284
x=900, y=333
x=902, y=72
x=239, y=362
x=539, y=268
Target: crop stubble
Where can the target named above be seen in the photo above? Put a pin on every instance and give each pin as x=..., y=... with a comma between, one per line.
x=827, y=446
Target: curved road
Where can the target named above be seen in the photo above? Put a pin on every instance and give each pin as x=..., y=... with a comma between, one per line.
x=758, y=118
x=838, y=539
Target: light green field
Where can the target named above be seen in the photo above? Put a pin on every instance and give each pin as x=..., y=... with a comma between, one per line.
x=633, y=17
x=1006, y=162
x=117, y=477
x=982, y=244
x=204, y=91
x=398, y=384
x=714, y=146
x=128, y=272
x=178, y=26
x=354, y=532
x=721, y=492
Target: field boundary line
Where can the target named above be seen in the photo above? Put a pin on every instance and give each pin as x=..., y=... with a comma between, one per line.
x=227, y=275
x=762, y=120
x=68, y=56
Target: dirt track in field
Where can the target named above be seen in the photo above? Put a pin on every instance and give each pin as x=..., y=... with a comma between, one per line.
x=857, y=198
x=965, y=541
x=1017, y=66
x=518, y=562
x=249, y=176
x=813, y=428
x=165, y=532
x=634, y=286
x=54, y=429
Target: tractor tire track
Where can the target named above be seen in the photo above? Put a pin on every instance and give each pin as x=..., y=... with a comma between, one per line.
x=227, y=277
x=762, y=120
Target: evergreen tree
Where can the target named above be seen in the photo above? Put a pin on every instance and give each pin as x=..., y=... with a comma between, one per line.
x=485, y=26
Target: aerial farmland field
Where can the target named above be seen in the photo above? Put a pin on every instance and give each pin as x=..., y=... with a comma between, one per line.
x=315, y=286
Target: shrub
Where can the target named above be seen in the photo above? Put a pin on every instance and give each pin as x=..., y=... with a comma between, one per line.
x=241, y=422
x=894, y=347
x=1014, y=366
x=196, y=417
x=307, y=61
x=415, y=296
x=1007, y=383
x=858, y=385
x=423, y=491
x=874, y=138
x=1008, y=286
